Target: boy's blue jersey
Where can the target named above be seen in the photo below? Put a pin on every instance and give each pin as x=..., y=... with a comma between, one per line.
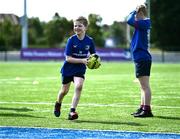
x=139, y=42
x=77, y=49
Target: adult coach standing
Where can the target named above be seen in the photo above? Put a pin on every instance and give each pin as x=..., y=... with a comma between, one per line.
x=141, y=57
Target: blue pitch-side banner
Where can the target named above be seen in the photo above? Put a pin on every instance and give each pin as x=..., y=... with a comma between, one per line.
x=106, y=54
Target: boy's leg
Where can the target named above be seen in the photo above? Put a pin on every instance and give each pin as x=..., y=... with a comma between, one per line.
x=145, y=87
x=62, y=92
x=78, y=83
x=139, y=110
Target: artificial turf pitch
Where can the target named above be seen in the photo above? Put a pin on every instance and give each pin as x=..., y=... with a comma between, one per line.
x=28, y=91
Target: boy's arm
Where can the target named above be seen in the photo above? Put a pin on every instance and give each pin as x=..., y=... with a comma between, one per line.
x=131, y=18
x=76, y=60
x=68, y=54
x=143, y=24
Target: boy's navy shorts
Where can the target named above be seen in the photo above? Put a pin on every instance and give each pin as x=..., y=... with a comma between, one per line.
x=143, y=68
x=67, y=79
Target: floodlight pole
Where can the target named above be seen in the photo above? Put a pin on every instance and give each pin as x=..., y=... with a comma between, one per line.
x=24, y=28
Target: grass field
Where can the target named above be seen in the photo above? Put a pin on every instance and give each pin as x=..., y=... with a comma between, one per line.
x=28, y=92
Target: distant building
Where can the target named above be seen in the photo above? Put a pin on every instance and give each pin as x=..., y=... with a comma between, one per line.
x=14, y=19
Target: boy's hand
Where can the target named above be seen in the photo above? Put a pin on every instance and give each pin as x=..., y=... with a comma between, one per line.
x=84, y=61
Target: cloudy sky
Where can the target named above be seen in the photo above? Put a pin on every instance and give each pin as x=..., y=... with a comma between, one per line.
x=109, y=10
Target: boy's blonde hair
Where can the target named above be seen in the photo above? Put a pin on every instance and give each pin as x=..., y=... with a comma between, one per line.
x=82, y=20
x=142, y=8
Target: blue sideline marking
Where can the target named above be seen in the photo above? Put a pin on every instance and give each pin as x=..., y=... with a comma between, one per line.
x=48, y=133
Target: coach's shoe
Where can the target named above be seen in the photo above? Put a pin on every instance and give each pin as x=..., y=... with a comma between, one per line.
x=144, y=114
x=73, y=116
x=57, y=109
x=138, y=111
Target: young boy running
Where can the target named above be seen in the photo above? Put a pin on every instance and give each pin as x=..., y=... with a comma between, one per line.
x=77, y=48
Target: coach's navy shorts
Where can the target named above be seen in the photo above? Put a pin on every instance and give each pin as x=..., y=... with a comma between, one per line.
x=67, y=79
x=143, y=68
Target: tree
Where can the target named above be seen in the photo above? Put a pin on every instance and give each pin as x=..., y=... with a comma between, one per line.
x=16, y=37
x=35, y=30
x=165, y=24
x=119, y=32
x=2, y=38
x=58, y=29
x=34, y=23
x=95, y=29
x=10, y=36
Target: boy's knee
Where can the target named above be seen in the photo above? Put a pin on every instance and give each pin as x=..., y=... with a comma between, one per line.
x=79, y=87
x=145, y=87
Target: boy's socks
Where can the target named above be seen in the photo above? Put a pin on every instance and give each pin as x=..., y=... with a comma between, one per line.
x=72, y=110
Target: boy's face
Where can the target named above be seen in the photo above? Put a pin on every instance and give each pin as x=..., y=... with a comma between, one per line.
x=79, y=28
x=138, y=15
x=139, y=12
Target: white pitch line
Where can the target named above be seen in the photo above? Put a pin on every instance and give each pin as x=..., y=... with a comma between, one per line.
x=89, y=104
x=27, y=78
